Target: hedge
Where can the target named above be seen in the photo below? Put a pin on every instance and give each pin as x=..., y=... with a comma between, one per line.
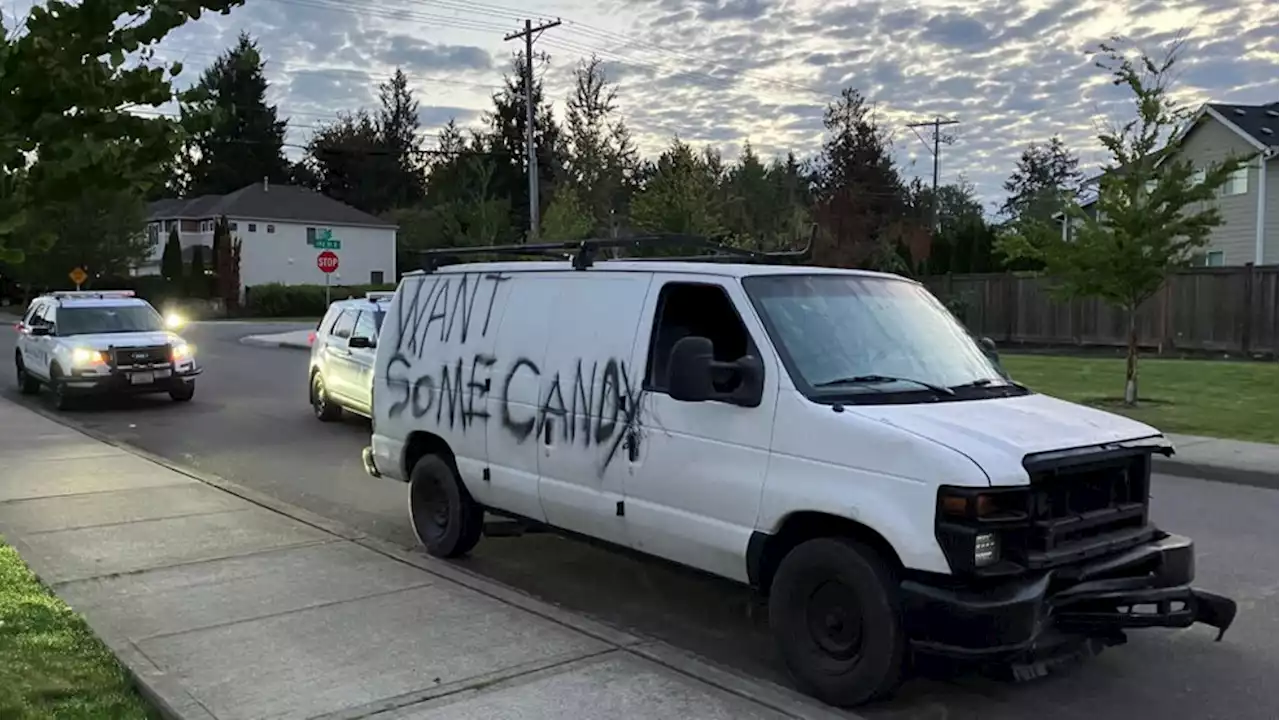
x=276, y=300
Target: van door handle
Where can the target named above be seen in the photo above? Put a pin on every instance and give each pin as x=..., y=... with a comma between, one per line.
x=633, y=445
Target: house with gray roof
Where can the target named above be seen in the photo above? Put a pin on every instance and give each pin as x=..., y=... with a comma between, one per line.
x=283, y=229
x=1250, y=199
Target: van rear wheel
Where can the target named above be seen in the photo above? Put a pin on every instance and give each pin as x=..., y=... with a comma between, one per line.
x=833, y=610
x=444, y=517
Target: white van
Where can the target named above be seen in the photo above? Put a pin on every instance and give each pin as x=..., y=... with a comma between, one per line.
x=834, y=438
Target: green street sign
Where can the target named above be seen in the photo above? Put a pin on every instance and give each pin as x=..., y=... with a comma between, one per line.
x=323, y=240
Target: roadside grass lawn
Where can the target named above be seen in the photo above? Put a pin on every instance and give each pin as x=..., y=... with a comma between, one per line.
x=1224, y=399
x=51, y=665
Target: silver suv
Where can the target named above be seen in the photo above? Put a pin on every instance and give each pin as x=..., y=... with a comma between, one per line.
x=342, y=350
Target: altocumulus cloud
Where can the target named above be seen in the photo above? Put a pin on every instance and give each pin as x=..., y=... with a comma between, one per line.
x=720, y=72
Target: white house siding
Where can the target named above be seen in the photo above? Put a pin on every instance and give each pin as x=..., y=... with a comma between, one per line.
x=285, y=257
x=1236, y=237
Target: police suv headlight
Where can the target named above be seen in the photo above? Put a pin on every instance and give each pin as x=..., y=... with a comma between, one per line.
x=183, y=352
x=86, y=357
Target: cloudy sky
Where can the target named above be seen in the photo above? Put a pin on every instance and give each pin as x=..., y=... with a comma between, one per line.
x=723, y=71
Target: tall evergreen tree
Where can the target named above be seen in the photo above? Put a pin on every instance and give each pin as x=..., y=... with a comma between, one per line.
x=507, y=122
x=601, y=160
x=404, y=177
x=171, y=259
x=862, y=202
x=236, y=137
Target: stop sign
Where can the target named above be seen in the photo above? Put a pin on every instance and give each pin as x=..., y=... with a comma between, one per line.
x=327, y=261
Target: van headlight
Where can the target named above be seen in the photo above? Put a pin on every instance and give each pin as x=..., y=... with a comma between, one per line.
x=972, y=524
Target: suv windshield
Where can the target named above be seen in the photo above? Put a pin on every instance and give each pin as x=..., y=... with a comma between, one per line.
x=843, y=335
x=108, y=319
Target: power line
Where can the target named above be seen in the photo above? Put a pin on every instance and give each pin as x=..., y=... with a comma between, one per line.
x=529, y=34
x=936, y=123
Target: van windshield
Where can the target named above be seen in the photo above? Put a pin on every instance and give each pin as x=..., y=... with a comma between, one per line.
x=843, y=335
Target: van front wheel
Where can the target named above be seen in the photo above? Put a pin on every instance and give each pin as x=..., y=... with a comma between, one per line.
x=444, y=517
x=833, y=610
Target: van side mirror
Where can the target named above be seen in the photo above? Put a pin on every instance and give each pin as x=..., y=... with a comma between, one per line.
x=692, y=369
x=359, y=341
x=989, y=347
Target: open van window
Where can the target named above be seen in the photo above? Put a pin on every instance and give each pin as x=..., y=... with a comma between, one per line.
x=871, y=339
x=695, y=309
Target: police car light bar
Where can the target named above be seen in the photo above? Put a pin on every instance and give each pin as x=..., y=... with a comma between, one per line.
x=100, y=294
x=375, y=296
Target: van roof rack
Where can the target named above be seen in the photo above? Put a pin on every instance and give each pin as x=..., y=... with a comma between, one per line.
x=91, y=294
x=583, y=253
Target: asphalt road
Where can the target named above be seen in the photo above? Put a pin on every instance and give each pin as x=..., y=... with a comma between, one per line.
x=250, y=423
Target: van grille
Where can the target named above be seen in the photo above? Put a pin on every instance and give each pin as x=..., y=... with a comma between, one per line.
x=1087, y=509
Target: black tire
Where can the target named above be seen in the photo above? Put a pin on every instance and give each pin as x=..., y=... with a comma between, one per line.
x=58, y=390
x=184, y=392
x=27, y=384
x=445, y=519
x=835, y=615
x=323, y=407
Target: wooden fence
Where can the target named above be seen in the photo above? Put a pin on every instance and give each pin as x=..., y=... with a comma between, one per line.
x=1228, y=309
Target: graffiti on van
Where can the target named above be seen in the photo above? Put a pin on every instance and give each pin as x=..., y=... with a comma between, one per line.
x=593, y=404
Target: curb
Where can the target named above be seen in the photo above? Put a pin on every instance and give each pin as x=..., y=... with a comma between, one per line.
x=1216, y=473
x=259, y=341
x=173, y=702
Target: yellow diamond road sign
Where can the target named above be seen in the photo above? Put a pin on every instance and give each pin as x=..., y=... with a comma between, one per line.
x=78, y=276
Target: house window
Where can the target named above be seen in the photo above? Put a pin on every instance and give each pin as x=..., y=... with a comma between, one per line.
x=1237, y=183
x=375, y=277
x=234, y=227
x=253, y=227
x=1213, y=259
x=271, y=229
x=311, y=236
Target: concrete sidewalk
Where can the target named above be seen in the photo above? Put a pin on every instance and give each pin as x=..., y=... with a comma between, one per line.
x=223, y=607
x=292, y=340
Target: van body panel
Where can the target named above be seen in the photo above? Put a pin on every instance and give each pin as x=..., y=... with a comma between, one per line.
x=589, y=387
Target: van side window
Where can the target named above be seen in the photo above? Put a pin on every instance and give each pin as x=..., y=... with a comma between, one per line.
x=343, y=325
x=686, y=309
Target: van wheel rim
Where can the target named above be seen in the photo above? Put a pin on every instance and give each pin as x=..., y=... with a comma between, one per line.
x=435, y=509
x=834, y=619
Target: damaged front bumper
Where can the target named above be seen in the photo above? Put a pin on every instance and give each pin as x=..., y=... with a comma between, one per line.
x=1148, y=585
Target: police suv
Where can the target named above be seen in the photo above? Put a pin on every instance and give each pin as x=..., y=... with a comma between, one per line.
x=101, y=342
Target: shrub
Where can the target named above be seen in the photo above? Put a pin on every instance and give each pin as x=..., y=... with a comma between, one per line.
x=276, y=300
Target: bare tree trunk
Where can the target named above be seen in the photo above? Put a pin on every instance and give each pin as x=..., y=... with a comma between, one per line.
x=1131, y=360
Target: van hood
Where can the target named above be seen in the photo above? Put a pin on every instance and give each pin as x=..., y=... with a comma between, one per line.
x=998, y=433
x=103, y=341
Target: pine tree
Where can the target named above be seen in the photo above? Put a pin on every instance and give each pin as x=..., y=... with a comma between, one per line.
x=404, y=178
x=236, y=136
x=199, y=281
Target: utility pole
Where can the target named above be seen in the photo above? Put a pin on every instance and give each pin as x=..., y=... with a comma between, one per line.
x=529, y=34
x=936, y=123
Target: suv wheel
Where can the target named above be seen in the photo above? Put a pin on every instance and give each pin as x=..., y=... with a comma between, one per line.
x=444, y=517
x=324, y=408
x=27, y=385
x=833, y=610
x=58, y=389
